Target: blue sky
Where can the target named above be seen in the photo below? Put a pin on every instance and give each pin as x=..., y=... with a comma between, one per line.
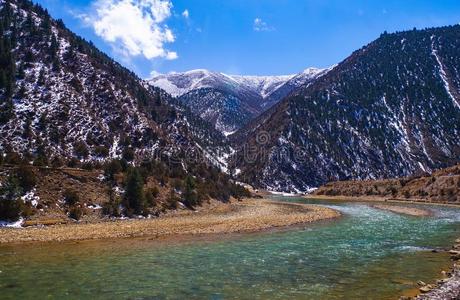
x=251, y=37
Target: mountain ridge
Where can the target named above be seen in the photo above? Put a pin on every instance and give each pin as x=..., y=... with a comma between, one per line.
x=388, y=110
x=231, y=101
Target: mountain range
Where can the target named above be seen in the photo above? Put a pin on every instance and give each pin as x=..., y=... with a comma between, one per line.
x=230, y=101
x=392, y=108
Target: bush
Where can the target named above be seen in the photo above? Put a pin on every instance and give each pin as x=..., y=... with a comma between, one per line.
x=26, y=177
x=10, y=203
x=111, y=208
x=172, y=201
x=80, y=149
x=151, y=195
x=71, y=197
x=76, y=212
x=101, y=151
x=73, y=163
x=112, y=168
x=10, y=209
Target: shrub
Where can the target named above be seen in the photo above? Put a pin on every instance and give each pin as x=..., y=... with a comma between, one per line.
x=111, y=208
x=76, y=212
x=172, y=200
x=73, y=163
x=112, y=168
x=151, y=195
x=26, y=177
x=71, y=197
x=128, y=154
x=10, y=203
x=101, y=151
x=80, y=149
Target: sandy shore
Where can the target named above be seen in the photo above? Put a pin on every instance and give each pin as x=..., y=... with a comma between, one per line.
x=246, y=216
x=404, y=210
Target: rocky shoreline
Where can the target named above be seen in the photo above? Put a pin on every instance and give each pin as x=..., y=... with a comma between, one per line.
x=445, y=289
x=249, y=215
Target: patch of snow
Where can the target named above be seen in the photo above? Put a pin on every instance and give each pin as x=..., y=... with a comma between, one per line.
x=31, y=197
x=17, y=224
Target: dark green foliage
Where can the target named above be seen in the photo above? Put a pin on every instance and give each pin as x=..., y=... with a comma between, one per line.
x=189, y=195
x=71, y=197
x=128, y=154
x=134, y=199
x=26, y=177
x=76, y=212
x=111, y=169
x=101, y=151
x=112, y=208
x=10, y=202
x=81, y=149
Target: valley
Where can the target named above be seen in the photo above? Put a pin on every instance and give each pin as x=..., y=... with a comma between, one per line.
x=339, y=182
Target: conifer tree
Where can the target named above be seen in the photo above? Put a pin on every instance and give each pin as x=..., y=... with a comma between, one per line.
x=134, y=196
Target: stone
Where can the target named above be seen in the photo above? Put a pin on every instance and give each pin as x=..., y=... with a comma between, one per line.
x=425, y=289
x=421, y=283
x=442, y=281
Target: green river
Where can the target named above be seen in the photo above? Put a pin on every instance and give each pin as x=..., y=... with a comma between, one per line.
x=366, y=254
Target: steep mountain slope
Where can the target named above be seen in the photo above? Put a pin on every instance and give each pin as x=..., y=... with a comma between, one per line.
x=392, y=108
x=308, y=76
x=62, y=98
x=230, y=101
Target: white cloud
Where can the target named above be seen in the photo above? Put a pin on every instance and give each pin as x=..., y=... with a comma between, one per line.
x=133, y=27
x=154, y=73
x=186, y=14
x=261, y=25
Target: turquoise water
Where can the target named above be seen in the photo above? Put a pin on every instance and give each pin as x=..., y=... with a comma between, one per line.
x=366, y=254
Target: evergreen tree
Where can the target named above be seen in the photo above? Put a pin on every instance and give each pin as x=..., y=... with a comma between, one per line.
x=190, y=195
x=134, y=195
x=10, y=203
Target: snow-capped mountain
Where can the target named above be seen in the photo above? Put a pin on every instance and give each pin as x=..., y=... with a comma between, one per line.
x=230, y=101
x=391, y=109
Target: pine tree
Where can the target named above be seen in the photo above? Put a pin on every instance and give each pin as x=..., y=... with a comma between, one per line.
x=10, y=203
x=190, y=196
x=134, y=195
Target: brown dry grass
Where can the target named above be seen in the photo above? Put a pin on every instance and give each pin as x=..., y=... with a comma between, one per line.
x=245, y=216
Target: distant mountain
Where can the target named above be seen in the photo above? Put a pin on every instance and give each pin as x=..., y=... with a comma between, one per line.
x=390, y=109
x=61, y=98
x=230, y=101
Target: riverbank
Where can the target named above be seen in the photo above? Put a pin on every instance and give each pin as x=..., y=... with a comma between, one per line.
x=404, y=210
x=446, y=288
x=377, y=199
x=249, y=215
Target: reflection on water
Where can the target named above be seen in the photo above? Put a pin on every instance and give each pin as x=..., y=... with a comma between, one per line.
x=367, y=254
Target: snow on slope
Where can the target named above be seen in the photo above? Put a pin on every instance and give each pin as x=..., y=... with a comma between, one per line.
x=178, y=84
x=263, y=85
